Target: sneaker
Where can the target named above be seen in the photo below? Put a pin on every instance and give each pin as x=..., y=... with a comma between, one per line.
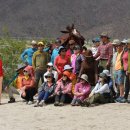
x=61, y=104
x=12, y=100
x=42, y=103
x=30, y=102
x=123, y=100
x=56, y=104
x=118, y=99
x=73, y=102
x=37, y=104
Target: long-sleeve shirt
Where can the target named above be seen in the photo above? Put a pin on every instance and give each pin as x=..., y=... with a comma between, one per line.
x=99, y=88
x=66, y=89
x=55, y=53
x=40, y=60
x=80, y=88
x=26, y=56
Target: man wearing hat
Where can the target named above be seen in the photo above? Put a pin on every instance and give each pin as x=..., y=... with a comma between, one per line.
x=39, y=62
x=105, y=52
x=119, y=71
x=26, y=56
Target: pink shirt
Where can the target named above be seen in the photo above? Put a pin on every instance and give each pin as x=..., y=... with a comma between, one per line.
x=85, y=89
x=125, y=60
x=66, y=89
x=73, y=60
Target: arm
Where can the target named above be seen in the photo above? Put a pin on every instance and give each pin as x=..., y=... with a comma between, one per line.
x=98, y=53
x=102, y=89
x=68, y=90
x=55, y=64
x=31, y=84
x=110, y=54
x=23, y=56
x=57, y=89
x=34, y=61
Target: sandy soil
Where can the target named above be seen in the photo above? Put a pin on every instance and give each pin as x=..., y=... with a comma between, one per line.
x=19, y=116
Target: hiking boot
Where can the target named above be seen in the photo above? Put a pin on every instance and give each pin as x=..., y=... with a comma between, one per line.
x=12, y=100
x=56, y=104
x=42, y=103
x=61, y=104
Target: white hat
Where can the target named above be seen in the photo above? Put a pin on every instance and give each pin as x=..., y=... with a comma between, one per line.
x=33, y=42
x=124, y=41
x=116, y=42
x=85, y=77
x=50, y=64
x=67, y=67
x=128, y=41
x=106, y=72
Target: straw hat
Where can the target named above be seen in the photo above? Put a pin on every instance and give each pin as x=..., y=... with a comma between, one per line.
x=85, y=77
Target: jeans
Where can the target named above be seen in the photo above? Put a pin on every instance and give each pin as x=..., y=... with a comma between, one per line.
x=43, y=95
x=39, y=75
x=30, y=92
x=63, y=98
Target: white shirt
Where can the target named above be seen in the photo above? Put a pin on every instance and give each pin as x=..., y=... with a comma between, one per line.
x=55, y=75
x=101, y=89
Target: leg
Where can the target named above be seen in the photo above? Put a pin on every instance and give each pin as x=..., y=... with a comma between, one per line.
x=1, y=81
x=37, y=77
x=127, y=87
x=62, y=99
x=41, y=95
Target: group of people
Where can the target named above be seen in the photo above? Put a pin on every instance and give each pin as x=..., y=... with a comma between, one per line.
x=73, y=74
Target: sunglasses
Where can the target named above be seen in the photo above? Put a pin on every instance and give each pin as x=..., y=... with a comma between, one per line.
x=71, y=44
x=49, y=66
x=48, y=77
x=25, y=71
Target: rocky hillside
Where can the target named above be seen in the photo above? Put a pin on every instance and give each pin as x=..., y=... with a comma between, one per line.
x=45, y=18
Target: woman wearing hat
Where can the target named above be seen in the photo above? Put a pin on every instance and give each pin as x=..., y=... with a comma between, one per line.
x=60, y=61
x=1, y=79
x=101, y=92
x=63, y=89
x=27, y=86
x=46, y=90
x=82, y=90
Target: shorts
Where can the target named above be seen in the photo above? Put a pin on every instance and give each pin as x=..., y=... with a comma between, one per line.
x=119, y=77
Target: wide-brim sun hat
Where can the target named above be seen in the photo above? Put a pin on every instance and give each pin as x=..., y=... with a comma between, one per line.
x=50, y=64
x=106, y=72
x=67, y=67
x=84, y=77
x=104, y=34
x=20, y=66
x=103, y=75
x=67, y=73
x=124, y=41
x=116, y=42
x=128, y=41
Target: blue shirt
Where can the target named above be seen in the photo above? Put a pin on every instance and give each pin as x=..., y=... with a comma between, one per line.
x=55, y=53
x=26, y=56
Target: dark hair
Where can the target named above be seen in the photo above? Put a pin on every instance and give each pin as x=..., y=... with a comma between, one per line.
x=84, y=48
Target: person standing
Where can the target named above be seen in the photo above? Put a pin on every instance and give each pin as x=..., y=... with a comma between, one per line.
x=26, y=56
x=105, y=52
x=1, y=79
x=39, y=63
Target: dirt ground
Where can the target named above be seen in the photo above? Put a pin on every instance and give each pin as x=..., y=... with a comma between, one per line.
x=20, y=116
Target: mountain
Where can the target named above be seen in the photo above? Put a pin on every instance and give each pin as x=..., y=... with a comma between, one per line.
x=46, y=18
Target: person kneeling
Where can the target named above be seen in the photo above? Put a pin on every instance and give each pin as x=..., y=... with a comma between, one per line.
x=63, y=89
x=100, y=94
x=46, y=90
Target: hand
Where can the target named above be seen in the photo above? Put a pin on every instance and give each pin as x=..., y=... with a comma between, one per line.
x=59, y=72
x=23, y=94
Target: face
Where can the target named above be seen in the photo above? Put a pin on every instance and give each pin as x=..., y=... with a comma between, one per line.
x=63, y=52
x=49, y=68
x=40, y=47
x=25, y=73
x=76, y=51
x=100, y=79
x=104, y=39
x=71, y=45
x=64, y=77
x=82, y=81
x=119, y=48
x=49, y=78
x=57, y=45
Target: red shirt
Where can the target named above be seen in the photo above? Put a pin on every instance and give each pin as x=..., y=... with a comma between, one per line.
x=125, y=60
x=1, y=70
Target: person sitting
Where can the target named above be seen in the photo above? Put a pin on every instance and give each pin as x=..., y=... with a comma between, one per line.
x=27, y=86
x=46, y=90
x=63, y=89
x=50, y=70
x=82, y=90
x=100, y=94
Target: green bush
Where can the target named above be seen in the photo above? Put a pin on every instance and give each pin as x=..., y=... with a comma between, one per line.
x=10, y=51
